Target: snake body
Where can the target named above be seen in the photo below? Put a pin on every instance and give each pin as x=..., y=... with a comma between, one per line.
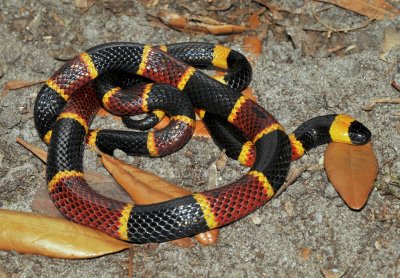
x=68, y=101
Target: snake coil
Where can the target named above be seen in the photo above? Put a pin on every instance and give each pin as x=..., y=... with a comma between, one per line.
x=68, y=101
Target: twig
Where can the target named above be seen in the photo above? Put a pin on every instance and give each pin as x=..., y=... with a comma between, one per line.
x=373, y=102
x=293, y=175
x=331, y=29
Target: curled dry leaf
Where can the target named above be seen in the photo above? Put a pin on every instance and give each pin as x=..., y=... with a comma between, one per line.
x=146, y=188
x=253, y=45
x=253, y=20
x=197, y=24
x=374, y=9
x=41, y=154
x=352, y=170
x=173, y=20
x=53, y=237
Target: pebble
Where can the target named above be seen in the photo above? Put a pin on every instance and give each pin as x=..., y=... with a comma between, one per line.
x=256, y=219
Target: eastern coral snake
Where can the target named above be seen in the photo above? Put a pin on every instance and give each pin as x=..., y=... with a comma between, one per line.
x=68, y=101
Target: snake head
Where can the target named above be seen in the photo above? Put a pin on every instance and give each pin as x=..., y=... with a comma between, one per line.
x=358, y=133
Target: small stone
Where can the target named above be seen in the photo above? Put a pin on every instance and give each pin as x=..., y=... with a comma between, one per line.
x=289, y=208
x=305, y=253
x=332, y=273
x=256, y=219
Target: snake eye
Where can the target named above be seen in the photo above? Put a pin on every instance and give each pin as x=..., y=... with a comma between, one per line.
x=358, y=133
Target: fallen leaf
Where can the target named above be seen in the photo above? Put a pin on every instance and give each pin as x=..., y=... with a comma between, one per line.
x=41, y=154
x=128, y=175
x=352, y=170
x=18, y=84
x=201, y=130
x=253, y=45
x=248, y=92
x=185, y=242
x=103, y=184
x=391, y=40
x=146, y=188
x=163, y=123
x=253, y=21
x=140, y=184
x=374, y=9
x=30, y=233
x=173, y=20
x=224, y=29
x=207, y=238
x=197, y=24
x=102, y=112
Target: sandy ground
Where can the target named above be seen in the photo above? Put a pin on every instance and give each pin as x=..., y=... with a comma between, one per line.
x=305, y=230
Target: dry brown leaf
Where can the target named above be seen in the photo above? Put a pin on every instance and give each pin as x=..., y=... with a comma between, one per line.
x=185, y=242
x=140, y=184
x=146, y=188
x=252, y=45
x=248, y=92
x=53, y=237
x=253, y=21
x=201, y=130
x=207, y=238
x=103, y=184
x=198, y=24
x=173, y=20
x=18, y=84
x=223, y=29
x=352, y=170
x=374, y=9
x=41, y=154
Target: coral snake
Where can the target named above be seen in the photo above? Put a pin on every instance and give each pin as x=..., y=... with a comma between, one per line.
x=68, y=101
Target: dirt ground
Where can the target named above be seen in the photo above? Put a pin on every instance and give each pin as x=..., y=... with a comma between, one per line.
x=305, y=232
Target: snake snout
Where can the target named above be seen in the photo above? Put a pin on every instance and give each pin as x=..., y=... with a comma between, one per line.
x=358, y=133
